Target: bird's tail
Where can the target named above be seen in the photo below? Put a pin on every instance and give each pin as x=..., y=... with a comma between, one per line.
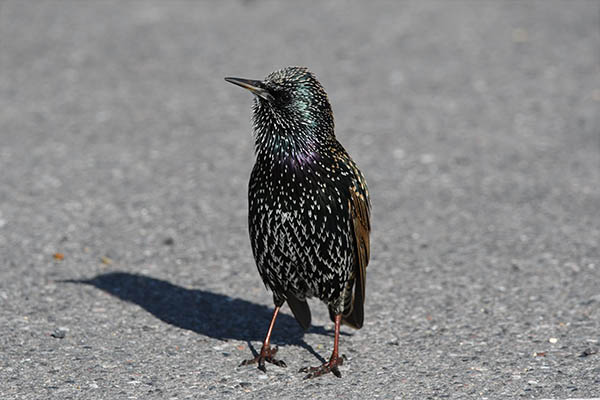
x=300, y=310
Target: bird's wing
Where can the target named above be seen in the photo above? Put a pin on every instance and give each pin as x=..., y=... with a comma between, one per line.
x=361, y=221
x=361, y=227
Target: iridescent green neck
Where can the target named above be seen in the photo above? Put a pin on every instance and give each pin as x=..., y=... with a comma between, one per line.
x=296, y=135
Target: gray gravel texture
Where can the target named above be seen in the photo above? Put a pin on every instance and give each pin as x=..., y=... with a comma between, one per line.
x=475, y=123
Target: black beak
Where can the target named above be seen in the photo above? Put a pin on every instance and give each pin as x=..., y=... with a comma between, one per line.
x=256, y=87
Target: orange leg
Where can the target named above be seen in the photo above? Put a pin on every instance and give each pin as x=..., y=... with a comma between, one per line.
x=266, y=352
x=334, y=361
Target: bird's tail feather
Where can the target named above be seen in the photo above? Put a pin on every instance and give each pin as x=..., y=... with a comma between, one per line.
x=300, y=310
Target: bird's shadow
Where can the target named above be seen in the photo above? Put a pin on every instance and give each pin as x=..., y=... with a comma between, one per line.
x=210, y=314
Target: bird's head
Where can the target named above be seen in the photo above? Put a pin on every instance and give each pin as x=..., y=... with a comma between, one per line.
x=290, y=104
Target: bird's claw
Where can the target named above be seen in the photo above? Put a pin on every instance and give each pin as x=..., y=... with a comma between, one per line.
x=266, y=355
x=330, y=366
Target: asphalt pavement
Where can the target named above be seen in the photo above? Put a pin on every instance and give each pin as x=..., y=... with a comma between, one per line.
x=125, y=265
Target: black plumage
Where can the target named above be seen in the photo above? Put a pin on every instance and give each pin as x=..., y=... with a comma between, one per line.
x=309, y=209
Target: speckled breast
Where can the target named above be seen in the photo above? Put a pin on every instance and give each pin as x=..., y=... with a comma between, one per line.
x=300, y=230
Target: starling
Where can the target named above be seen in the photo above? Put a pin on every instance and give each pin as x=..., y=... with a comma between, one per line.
x=309, y=208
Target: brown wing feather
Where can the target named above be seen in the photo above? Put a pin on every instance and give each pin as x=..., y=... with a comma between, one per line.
x=362, y=229
x=360, y=212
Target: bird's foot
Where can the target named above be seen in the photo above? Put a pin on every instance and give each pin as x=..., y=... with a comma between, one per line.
x=266, y=355
x=330, y=366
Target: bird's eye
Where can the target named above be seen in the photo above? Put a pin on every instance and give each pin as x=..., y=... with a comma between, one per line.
x=282, y=97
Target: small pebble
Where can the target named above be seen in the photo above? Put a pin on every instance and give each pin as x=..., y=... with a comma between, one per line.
x=588, y=352
x=59, y=333
x=105, y=260
x=553, y=340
